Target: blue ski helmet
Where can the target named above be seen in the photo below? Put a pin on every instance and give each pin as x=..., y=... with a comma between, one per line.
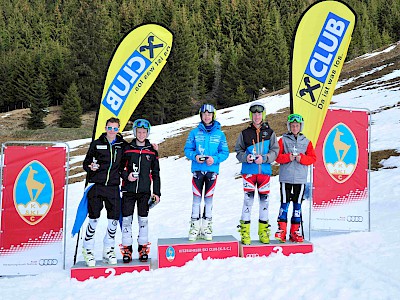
x=141, y=123
x=257, y=107
x=295, y=118
x=210, y=108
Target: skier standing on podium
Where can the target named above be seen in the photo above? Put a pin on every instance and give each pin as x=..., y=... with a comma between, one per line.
x=206, y=147
x=140, y=170
x=296, y=153
x=102, y=163
x=256, y=148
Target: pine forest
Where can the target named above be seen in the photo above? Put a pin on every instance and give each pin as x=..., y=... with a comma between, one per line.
x=225, y=52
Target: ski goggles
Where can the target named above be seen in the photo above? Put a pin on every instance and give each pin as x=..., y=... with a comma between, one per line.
x=207, y=107
x=110, y=128
x=257, y=109
x=295, y=118
x=141, y=123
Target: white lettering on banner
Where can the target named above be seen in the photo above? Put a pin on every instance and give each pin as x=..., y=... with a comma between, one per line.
x=110, y=271
x=205, y=249
x=277, y=249
x=326, y=47
x=337, y=28
x=252, y=255
x=124, y=81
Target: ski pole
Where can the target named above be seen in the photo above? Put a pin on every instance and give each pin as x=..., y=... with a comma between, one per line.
x=76, y=246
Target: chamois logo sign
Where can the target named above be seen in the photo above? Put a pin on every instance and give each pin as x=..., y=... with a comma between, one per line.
x=320, y=69
x=137, y=68
x=170, y=253
x=340, y=153
x=33, y=192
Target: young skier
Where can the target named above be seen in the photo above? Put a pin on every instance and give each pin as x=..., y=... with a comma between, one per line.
x=206, y=147
x=296, y=153
x=140, y=169
x=256, y=148
x=102, y=163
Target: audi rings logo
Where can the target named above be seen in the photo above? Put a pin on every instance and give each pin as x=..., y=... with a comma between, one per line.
x=48, y=262
x=354, y=218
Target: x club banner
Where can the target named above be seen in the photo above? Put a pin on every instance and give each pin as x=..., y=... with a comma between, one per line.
x=32, y=210
x=319, y=50
x=135, y=65
x=341, y=185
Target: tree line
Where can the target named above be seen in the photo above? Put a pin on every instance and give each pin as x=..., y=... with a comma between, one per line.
x=226, y=52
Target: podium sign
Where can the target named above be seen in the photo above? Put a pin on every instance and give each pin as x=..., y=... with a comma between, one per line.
x=341, y=189
x=32, y=215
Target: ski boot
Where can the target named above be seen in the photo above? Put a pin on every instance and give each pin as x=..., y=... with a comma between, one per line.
x=295, y=234
x=194, y=229
x=109, y=256
x=126, y=252
x=206, y=229
x=88, y=256
x=144, y=251
x=244, y=229
x=263, y=231
x=280, y=235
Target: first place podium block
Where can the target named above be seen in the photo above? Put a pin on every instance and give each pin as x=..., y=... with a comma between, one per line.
x=82, y=272
x=176, y=252
x=257, y=248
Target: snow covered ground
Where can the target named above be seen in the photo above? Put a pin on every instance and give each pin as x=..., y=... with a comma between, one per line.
x=358, y=265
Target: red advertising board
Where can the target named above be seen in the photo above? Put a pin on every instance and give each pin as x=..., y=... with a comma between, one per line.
x=32, y=216
x=340, y=177
x=176, y=252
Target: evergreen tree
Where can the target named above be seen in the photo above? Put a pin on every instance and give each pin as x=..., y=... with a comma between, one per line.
x=24, y=79
x=91, y=49
x=39, y=103
x=279, y=65
x=231, y=78
x=241, y=96
x=71, y=111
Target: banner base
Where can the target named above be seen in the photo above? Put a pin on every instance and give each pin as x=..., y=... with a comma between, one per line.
x=81, y=272
x=257, y=248
x=176, y=252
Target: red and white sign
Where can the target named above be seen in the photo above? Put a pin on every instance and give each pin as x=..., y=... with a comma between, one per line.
x=32, y=216
x=176, y=252
x=257, y=249
x=81, y=272
x=340, y=177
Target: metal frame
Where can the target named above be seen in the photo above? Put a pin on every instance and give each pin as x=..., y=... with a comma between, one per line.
x=42, y=143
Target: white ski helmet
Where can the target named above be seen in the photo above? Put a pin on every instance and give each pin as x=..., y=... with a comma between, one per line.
x=210, y=108
x=141, y=123
x=257, y=107
x=295, y=118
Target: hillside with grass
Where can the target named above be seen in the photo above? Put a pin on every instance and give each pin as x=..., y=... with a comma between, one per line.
x=356, y=73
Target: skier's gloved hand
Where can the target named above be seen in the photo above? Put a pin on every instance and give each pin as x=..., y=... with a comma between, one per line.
x=258, y=160
x=153, y=201
x=250, y=158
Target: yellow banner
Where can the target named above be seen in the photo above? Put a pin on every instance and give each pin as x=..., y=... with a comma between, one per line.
x=135, y=65
x=319, y=50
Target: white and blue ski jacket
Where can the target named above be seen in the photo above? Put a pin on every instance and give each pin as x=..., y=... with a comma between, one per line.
x=209, y=143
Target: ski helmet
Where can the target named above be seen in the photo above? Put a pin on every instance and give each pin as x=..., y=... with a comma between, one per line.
x=257, y=107
x=141, y=123
x=295, y=118
x=210, y=108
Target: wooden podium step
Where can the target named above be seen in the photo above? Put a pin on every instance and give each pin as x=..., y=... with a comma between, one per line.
x=176, y=252
x=257, y=248
x=82, y=272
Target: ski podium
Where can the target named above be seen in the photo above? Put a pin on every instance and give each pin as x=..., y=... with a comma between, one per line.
x=81, y=272
x=256, y=248
x=176, y=252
